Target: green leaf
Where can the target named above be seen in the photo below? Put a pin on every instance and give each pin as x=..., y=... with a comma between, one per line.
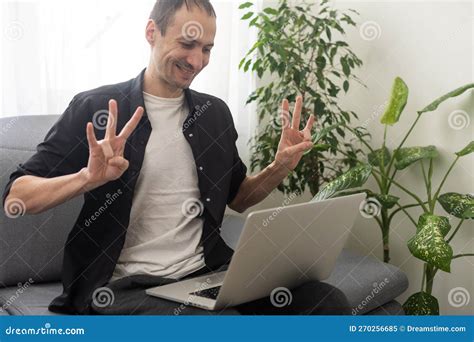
x=346, y=86
x=421, y=303
x=408, y=155
x=321, y=62
x=246, y=5
x=247, y=16
x=323, y=132
x=270, y=11
x=387, y=201
x=378, y=157
x=345, y=66
x=458, y=205
x=466, y=150
x=429, y=245
x=398, y=101
x=441, y=221
x=354, y=178
x=434, y=105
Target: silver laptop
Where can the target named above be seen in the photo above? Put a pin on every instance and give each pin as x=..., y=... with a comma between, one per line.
x=279, y=248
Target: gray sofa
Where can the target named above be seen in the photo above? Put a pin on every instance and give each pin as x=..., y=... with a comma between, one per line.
x=31, y=246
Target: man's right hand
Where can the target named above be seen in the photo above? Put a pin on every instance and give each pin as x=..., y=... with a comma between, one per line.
x=106, y=162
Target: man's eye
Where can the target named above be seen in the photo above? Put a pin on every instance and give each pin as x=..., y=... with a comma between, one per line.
x=187, y=45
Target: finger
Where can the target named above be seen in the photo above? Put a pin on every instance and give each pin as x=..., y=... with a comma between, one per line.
x=309, y=127
x=295, y=124
x=107, y=149
x=301, y=147
x=132, y=124
x=91, y=138
x=112, y=120
x=285, y=114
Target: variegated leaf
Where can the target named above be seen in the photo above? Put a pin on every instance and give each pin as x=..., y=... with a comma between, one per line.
x=398, y=101
x=406, y=156
x=466, y=150
x=378, y=157
x=421, y=303
x=434, y=105
x=458, y=205
x=387, y=201
x=354, y=178
x=429, y=245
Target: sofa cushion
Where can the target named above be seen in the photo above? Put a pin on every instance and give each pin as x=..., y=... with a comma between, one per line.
x=31, y=246
x=367, y=282
x=33, y=300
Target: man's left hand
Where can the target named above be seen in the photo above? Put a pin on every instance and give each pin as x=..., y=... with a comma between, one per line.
x=293, y=142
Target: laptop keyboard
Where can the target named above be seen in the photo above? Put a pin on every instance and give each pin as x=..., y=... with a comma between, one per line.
x=211, y=292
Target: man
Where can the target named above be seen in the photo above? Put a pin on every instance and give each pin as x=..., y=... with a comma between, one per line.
x=155, y=183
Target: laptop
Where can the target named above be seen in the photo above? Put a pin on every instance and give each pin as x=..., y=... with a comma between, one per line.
x=282, y=247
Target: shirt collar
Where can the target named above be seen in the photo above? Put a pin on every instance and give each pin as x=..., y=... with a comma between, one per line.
x=136, y=95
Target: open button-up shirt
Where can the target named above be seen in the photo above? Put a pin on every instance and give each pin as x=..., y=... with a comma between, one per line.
x=94, y=244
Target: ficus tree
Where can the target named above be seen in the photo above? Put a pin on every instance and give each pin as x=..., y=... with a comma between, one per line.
x=300, y=50
x=431, y=240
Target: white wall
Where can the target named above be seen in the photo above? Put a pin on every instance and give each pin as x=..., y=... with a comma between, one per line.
x=429, y=45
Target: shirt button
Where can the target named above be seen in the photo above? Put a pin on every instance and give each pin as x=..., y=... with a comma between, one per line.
x=190, y=135
x=142, y=142
x=208, y=199
x=201, y=168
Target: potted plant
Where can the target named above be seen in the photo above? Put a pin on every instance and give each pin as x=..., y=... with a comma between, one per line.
x=434, y=232
x=303, y=53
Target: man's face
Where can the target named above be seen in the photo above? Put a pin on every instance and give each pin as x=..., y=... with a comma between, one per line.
x=180, y=55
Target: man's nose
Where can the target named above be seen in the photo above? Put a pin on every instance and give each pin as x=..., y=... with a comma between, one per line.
x=196, y=60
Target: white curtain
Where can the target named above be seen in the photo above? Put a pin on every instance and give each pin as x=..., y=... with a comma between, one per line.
x=53, y=49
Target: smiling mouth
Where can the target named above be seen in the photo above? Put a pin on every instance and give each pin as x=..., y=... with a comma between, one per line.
x=184, y=69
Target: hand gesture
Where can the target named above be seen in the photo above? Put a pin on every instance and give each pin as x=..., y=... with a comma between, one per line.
x=293, y=142
x=106, y=162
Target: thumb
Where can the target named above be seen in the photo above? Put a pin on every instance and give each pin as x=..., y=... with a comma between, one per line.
x=119, y=162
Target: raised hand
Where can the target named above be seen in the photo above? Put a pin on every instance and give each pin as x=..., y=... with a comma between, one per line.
x=293, y=142
x=106, y=162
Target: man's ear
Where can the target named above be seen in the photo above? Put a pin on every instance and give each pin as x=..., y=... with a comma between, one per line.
x=151, y=31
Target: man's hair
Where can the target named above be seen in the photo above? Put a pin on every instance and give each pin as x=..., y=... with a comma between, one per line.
x=164, y=10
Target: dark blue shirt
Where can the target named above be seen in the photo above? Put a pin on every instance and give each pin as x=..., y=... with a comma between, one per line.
x=93, y=246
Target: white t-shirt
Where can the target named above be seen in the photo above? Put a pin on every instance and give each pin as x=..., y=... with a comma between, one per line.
x=164, y=234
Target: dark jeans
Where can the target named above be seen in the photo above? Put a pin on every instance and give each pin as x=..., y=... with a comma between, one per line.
x=127, y=296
